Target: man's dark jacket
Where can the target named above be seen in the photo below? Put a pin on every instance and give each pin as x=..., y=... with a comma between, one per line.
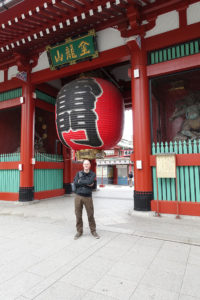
x=82, y=181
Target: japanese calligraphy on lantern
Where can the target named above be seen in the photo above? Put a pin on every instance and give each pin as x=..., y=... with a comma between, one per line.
x=72, y=51
x=75, y=109
x=166, y=165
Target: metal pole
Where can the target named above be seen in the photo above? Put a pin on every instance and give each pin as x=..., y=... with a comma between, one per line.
x=102, y=185
x=177, y=202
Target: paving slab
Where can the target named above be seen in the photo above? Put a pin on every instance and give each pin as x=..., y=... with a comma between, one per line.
x=137, y=257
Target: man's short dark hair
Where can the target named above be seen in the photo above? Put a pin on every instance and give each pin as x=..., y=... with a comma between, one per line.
x=87, y=160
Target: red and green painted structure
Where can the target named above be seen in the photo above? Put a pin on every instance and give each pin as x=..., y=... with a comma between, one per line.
x=156, y=38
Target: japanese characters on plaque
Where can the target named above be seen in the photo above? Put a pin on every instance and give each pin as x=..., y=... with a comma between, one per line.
x=72, y=51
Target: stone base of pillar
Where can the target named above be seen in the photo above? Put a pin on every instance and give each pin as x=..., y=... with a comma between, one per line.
x=142, y=201
x=26, y=194
x=67, y=187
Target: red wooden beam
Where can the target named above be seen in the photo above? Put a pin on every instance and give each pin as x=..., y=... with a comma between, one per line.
x=9, y=196
x=44, y=105
x=181, y=160
x=21, y=8
x=176, y=36
x=163, y=6
x=48, y=89
x=10, y=85
x=10, y=103
x=175, y=65
x=105, y=58
x=49, y=165
x=182, y=17
x=9, y=165
x=66, y=7
x=48, y=194
x=170, y=207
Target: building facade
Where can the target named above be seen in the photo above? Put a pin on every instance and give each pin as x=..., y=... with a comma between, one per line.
x=150, y=50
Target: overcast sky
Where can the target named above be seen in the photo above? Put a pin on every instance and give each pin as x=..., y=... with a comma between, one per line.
x=128, y=125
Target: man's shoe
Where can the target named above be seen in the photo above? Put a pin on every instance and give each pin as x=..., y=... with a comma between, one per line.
x=78, y=235
x=95, y=235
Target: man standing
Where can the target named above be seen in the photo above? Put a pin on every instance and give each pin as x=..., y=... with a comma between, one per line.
x=84, y=181
x=130, y=179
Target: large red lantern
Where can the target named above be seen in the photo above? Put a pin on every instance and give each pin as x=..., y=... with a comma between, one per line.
x=89, y=114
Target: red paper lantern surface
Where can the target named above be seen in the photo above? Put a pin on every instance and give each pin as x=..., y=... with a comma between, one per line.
x=89, y=114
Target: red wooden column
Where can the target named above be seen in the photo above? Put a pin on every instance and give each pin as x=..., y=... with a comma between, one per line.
x=94, y=169
x=26, y=190
x=141, y=124
x=67, y=170
x=115, y=175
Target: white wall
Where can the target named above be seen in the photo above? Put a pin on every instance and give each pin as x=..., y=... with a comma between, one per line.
x=164, y=23
x=1, y=76
x=109, y=38
x=193, y=13
x=12, y=72
x=43, y=62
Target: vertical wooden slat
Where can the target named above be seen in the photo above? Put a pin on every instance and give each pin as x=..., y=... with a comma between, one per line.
x=191, y=175
x=172, y=180
x=187, y=178
x=182, y=175
x=187, y=49
x=169, y=54
x=159, y=179
x=156, y=57
x=178, y=54
x=178, y=175
x=173, y=53
x=164, y=194
x=154, y=175
x=168, y=185
x=197, y=175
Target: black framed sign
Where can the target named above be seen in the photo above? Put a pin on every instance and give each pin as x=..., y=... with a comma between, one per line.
x=74, y=50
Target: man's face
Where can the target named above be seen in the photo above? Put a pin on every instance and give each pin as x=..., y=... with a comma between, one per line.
x=86, y=166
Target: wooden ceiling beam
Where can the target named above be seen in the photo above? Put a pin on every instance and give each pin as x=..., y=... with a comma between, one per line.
x=70, y=5
x=65, y=8
x=8, y=34
x=16, y=32
x=19, y=9
x=146, y=2
x=56, y=10
x=161, y=7
x=46, y=15
x=29, y=24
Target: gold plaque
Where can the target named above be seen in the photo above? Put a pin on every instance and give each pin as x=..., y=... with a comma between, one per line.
x=90, y=154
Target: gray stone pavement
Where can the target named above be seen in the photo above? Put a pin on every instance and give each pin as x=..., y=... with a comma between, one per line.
x=138, y=256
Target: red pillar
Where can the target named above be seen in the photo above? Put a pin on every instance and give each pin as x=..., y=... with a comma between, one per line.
x=26, y=190
x=94, y=169
x=142, y=131
x=115, y=175
x=67, y=170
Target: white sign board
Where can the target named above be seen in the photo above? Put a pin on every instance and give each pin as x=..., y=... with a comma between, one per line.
x=166, y=165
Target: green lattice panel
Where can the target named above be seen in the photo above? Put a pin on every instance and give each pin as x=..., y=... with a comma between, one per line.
x=188, y=177
x=11, y=94
x=173, y=52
